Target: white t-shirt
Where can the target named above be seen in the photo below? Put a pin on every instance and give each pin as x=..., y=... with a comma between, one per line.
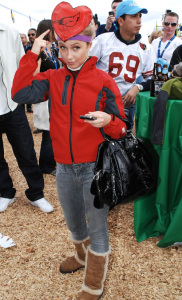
x=168, y=52
x=124, y=63
x=4, y=109
x=11, y=51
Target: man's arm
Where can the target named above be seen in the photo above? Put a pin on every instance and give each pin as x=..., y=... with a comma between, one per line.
x=105, y=27
x=130, y=97
x=18, y=48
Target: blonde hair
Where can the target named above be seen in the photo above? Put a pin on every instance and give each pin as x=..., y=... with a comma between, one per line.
x=154, y=34
x=89, y=31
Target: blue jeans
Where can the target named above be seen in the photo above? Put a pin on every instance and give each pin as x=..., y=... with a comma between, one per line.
x=130, y=113
x=82, y=218
x=17, y=129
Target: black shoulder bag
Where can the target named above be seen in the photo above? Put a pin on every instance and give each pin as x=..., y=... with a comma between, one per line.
x=123, y=170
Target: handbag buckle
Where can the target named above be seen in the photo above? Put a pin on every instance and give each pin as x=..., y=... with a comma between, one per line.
x=96, y=176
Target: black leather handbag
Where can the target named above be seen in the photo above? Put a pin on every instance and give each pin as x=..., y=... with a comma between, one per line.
x=123, y=171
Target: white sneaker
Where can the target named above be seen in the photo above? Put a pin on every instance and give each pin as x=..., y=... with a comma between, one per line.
x=5, y=202
x=43, y=204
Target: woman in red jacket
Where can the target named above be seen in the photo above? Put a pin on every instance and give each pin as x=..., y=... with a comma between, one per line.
x=76, y=89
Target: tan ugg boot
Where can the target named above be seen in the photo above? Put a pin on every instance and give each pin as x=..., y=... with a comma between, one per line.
x=77, y=261
x=95, y=274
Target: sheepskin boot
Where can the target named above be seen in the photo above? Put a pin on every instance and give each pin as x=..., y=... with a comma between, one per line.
x=77, y=261
x=95, y=274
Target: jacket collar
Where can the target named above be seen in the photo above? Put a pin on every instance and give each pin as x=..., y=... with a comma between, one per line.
x=89, y=64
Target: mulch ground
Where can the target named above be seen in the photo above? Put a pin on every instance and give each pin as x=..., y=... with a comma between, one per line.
x=30, y=270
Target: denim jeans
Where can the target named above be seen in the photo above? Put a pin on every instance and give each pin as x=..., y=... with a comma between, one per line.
x=130, y=113
x=47, y=163
x=82, y=218
x=17, y=129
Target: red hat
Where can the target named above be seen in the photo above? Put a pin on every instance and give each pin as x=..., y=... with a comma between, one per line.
x=68, y=21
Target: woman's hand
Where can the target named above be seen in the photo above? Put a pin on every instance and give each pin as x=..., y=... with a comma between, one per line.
x=102, y=119
x=40, y=44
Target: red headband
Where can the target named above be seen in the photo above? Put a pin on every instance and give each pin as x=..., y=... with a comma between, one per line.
x=79, y=37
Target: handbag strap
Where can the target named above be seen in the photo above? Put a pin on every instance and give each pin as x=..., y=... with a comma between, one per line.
x=107, y=137
x=128, y=125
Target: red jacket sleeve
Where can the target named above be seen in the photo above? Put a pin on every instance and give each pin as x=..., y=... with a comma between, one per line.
x=113, y=104
x=26, y=87
x=24, y=75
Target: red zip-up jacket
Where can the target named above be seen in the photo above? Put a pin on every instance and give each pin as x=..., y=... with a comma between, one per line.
x=73, y=140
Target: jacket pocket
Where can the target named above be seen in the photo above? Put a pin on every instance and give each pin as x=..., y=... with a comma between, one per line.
x=65, y=89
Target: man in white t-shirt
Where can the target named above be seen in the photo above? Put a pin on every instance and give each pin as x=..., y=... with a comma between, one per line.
x=165, y=45
x=14, y=123
x=125, y=56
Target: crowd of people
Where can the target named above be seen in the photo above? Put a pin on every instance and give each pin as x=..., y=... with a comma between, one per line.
x=98, y=72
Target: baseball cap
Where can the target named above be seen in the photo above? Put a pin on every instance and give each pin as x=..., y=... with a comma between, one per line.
x=129, y=7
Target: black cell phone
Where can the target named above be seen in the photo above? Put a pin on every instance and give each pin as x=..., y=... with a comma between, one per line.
x=111, y=13
x=87, y=118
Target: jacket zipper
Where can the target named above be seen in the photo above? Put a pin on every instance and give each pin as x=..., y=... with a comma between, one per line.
x=71, y=151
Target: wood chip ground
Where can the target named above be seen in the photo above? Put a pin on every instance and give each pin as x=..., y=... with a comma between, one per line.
x=30, y=270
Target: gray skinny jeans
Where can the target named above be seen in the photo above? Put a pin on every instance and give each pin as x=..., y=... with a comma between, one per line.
x=82, y=218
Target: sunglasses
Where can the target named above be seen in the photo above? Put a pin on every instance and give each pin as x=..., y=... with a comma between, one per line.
x=31, y=34
x=173, y=24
